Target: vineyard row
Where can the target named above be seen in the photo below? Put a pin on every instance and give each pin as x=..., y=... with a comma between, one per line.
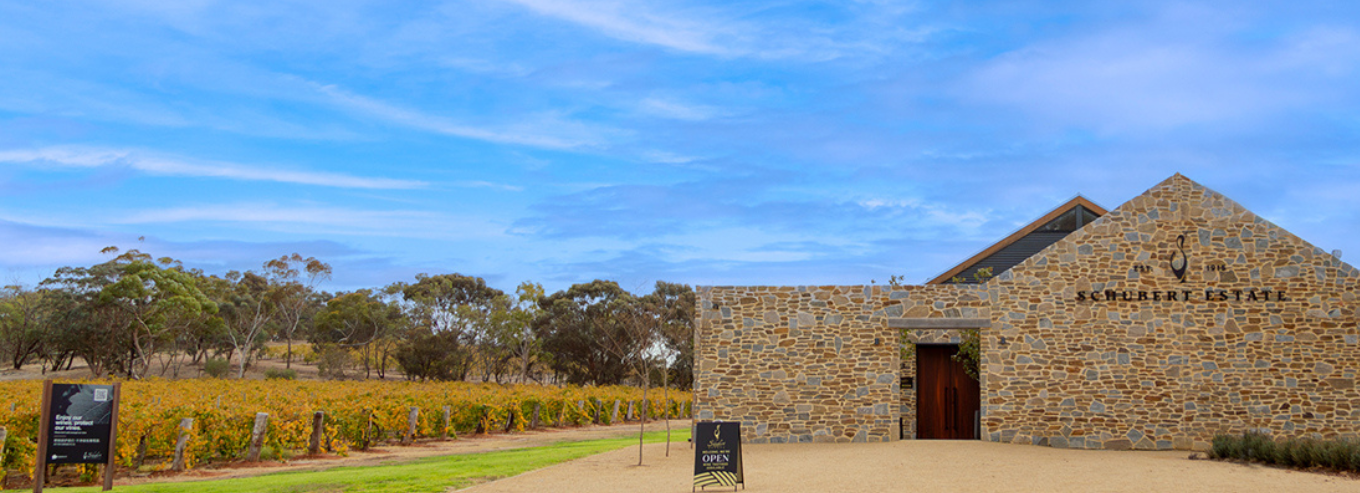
x=356, y=415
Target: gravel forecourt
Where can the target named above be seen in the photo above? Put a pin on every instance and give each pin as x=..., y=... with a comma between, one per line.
x=920, y=466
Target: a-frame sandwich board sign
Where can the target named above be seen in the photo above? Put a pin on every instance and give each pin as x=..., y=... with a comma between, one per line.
x=717, y=455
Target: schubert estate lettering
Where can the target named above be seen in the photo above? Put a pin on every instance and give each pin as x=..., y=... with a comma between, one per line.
x=1184, y=295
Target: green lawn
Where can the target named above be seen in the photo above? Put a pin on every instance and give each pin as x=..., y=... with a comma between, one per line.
x=430, y=474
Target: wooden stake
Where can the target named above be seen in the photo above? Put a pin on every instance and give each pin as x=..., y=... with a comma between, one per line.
x=368, y=432
x=318, y=430
x=257, y=434
x=185, y=426
x=412, y=420
x=448, y=422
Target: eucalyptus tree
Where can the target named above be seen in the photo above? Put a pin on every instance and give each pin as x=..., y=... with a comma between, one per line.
x=161, y=300
x=293, y=280
x=676, y=303
x=244, y=306
x=575, y=326
x=128, y=308
x=21, y=324
x=82, y=325
x=461, y=310
x=517, y=334
x=362, y=320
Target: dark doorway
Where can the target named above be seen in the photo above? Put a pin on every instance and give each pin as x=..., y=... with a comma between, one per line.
x=947, y=399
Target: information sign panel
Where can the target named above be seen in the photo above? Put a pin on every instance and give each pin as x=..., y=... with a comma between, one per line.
x=79, y=424
x=717, y=455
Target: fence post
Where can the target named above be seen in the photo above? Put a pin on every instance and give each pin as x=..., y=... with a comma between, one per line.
x=257, y=433
x=318, y=429
x=448, y=422
x=185, y=425
x=412, y=420
x=614, y=416
x=368, y=431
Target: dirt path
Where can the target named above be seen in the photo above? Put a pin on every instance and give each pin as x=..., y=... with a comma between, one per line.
x=921, y=466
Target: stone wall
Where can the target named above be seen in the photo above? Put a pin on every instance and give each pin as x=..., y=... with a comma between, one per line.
x=1259, y=332
x=817, y=363
x=1098, y=341
x=797, y=364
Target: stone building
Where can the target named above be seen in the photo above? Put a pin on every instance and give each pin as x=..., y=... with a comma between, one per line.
x=1156, y=325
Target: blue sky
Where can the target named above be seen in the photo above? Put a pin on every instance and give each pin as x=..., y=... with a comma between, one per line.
x=703, y=143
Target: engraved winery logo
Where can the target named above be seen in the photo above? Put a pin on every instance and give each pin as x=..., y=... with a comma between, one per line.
x=1180, y=262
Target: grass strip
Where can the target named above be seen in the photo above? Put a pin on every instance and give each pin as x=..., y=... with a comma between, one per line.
x=428, y=474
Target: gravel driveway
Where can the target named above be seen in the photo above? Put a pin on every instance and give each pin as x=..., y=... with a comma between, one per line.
x=921, y=466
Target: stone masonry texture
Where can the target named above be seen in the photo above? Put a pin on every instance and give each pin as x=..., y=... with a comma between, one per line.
x=1176, y=316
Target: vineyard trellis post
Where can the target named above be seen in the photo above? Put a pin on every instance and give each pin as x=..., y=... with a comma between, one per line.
x=614, y=416
x=185, y=426
x=257, y=434
x=632, y=410
x=368, y=429
x=538, y=408
x=318, y=428
x=444, y=432
x=412, y=419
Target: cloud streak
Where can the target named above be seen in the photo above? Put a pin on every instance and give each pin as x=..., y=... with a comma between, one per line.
x=626, y=22
x=86, y=157
x=322, y=219
x=441, y=125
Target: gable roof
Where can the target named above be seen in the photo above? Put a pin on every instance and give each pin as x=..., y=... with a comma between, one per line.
x=1181, y=214
x=1020, y=245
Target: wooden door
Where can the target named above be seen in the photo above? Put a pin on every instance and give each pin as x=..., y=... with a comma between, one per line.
x=946, y=397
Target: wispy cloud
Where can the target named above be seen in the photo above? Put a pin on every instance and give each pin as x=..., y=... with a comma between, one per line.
x=680, y=111
x=487, y=184
x=527, y=134
x=91, y=157
x=1182, y=68
x=322, y=218
x=634, y=24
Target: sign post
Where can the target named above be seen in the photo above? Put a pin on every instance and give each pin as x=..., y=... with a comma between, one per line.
x=717, y=455
x=78, y=425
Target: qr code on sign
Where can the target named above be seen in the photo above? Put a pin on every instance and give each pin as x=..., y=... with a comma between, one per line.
x=101, y=395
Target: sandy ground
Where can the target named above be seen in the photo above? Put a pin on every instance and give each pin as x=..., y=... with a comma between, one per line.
x=921, y=466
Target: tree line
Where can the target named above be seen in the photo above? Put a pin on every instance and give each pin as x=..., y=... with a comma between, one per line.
x=135, y=316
